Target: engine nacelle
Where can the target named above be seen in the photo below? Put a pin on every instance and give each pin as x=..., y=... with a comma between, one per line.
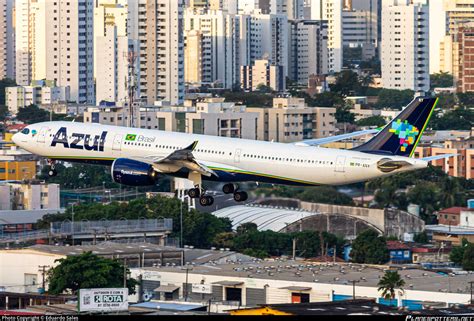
x=133, y=173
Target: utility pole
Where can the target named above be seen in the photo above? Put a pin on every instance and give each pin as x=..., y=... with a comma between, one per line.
x=181, y=223
x=125, y=273
x=187, y=268
x=42, y=270
x=354, y=288
x=471, y=283
x=72, y=225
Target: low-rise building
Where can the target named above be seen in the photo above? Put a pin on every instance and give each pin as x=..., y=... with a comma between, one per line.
x=262, y=72
x=211, y=116
x=31, y=196
x=281, y=281
x=38, y=93
x=400, y=253
x=291, y=120
x=360, y=112
x=450, y=216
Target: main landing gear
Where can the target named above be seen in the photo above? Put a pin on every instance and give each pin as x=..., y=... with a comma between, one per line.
x=239, y=196
x=204, y=200
x=52, y=168
x=207, y=200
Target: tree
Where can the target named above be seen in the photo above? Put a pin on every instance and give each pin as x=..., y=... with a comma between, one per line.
x=32, y=114
x=347, y=83
x=264, y=88
x=426, y=195
x=389, y=283
x=327, y=99
x=3, y=112
x=344, y=115
x=79, y=176
x=392, y=98
x=457, y=252
x=369, y=247
x=199, y=229
x=468, y=257
x=87, y=270
x=441, y=80
x=466, y=99
x=377, y=121
x=421, y=237
x=248, y=227
x=458, y=119
x=224, y=240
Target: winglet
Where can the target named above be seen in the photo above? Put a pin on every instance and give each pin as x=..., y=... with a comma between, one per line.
x=192, y=146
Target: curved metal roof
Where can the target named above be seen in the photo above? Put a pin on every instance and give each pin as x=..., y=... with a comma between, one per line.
x=266, y=217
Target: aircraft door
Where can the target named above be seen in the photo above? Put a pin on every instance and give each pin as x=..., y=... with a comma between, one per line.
x=117, y=142
x=42, y=135
x=238, y=152
x=340, y=164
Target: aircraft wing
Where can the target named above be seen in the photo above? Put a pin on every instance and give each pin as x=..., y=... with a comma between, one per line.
x=177, y=160
x=433, y=158
x=331, y=139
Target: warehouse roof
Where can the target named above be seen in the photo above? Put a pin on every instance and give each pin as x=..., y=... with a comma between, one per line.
x=328, y=273
x=266, y=217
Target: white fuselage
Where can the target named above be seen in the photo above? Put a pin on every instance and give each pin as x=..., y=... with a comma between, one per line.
x=247, y=160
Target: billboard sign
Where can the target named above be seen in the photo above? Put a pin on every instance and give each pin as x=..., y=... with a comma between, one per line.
x=201, y=288
x=103, y=300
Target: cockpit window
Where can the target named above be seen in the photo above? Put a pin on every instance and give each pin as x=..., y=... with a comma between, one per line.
x=25, y=131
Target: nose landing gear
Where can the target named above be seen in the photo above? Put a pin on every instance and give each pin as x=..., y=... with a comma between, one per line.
x=52, y=168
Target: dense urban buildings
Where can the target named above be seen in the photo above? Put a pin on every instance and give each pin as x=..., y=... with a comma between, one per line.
x=405, y=45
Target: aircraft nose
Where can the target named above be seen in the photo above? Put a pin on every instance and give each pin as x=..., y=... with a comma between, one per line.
x=15, y=138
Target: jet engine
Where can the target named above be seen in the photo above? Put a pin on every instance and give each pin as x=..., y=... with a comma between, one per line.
x=133, y=173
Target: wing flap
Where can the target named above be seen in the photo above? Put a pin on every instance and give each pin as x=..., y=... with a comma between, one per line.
x=437, y=157
x=182, y=158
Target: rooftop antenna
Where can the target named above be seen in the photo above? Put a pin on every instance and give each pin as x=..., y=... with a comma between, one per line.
x=131, y=85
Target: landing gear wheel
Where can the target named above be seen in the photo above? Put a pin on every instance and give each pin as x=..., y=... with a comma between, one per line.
x=52, y=168
x=194, y=193
x=211, y=199
x=228, y=188
x=240, y=196
x=206, y=200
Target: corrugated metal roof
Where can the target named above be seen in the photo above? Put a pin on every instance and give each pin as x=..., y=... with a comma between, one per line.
x=266, y=218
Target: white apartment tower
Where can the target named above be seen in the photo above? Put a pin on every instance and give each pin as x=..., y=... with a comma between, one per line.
x=22, y=42
x=7, y=40
x=331, y=11
x=405, y=45
x=161, y=52
x=308, y=49
x=264, y=36
x=211, y=47
x=54, y=41
x=111, y=51
x=294, y=9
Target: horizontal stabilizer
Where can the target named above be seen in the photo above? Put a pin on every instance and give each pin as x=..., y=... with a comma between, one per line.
x=332, y=139
x=433, y=158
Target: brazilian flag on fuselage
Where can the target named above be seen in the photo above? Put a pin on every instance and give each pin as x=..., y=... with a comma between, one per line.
x=130, y=137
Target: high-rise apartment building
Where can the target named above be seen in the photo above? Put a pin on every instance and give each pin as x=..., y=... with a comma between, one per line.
x=7, y=40
x=405, y=45
x=111, y=50
x=161, y=53
x=23, y=39
x=360, y=20
x=308, y=49
x=264, y=36
x=331, y=11
x=211, y=48
x=54, y=41
x=294, y=9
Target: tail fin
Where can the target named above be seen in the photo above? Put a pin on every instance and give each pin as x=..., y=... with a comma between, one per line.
x=402, y=135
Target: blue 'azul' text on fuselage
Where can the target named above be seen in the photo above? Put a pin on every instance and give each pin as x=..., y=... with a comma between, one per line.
x=79, y=141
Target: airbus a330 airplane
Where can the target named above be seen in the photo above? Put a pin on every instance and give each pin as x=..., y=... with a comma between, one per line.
x=139, y=156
